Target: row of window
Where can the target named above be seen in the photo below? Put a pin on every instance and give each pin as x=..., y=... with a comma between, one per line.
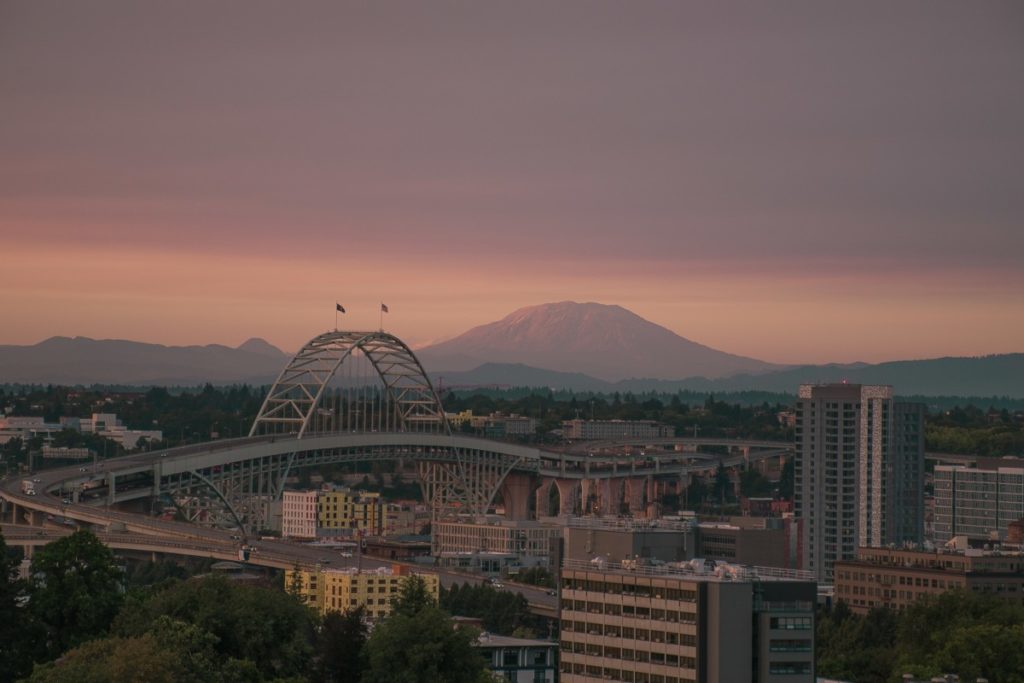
x=624, y=675
x=642, y=591
x=628, y=655
x=671, y=616
x=792, y=623
x=616, y=631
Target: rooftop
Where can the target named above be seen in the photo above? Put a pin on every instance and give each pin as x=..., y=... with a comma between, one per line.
x=694, y=570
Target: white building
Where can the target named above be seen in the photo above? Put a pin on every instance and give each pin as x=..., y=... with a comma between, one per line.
x=299, y=514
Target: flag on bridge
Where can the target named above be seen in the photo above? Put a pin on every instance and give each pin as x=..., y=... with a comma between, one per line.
x=339, y=307
x=383, y=308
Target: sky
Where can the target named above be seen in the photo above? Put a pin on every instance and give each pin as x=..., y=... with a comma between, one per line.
x=793, y=181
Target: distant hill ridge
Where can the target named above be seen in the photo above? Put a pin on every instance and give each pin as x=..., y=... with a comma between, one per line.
x=994, y=375
x=579, y=346
x=82, y=360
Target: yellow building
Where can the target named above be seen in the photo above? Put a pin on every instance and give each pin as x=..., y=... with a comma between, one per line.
x=347, y=509
x=340, y=590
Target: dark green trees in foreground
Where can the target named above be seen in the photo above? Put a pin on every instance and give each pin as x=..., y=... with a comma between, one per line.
x=74, y=622
x=969, y=634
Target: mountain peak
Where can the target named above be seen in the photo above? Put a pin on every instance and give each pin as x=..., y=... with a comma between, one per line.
x=260, y=346
x=603, y=340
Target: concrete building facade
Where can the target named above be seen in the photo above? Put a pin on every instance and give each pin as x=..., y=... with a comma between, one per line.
x=888, y=577
x=858, y=472
x=678, y=625
x=978, y=502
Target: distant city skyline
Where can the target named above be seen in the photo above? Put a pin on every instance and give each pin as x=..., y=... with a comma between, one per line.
x=820, y=184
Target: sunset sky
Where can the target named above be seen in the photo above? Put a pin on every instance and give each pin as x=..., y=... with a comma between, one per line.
x=793, y=181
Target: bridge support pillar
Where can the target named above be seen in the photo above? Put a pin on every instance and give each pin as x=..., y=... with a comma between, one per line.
x=586, y=490
x=610, y=495
x=636, y=495
x=36, y=518
x=515, y=492
x=567, y=496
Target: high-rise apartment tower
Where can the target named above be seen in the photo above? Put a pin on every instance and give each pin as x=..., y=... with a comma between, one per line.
x=858, y=472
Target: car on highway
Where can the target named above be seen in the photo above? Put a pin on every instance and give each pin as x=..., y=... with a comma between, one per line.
x=346, y=554
x=551, y=592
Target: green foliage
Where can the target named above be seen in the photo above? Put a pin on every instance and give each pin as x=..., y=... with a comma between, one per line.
x=502, y=611
x=77, y=590
x=753, y=484
x=422, y=648
x=340, y=646
x=263, y=626
x=171, y=651
x=16, y=631
x=413, y=597
x=972, y=635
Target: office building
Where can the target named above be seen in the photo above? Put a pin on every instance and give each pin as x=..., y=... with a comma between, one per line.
x=342, y=590
x=978, y=502
x=520, y=660
x=681, y=624
x=890, y=577
x=615, y=429
x=493, y=545
x=859, y=472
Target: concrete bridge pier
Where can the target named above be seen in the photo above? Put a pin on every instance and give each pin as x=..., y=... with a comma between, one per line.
x=515, y=492
x=568, y=495
x=587, y=489
x=612, y=495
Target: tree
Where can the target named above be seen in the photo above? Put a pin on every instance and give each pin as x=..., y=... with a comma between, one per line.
x=413, y=597
x=422, y=648
x=267, y=627
x=16, y=637
x=172, y=651
x=76, y=592
x=340, y=646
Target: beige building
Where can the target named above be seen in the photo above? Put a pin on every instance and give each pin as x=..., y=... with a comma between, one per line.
x=341, y=590
x=885, y=577
x=400, y=520
x=678, y=624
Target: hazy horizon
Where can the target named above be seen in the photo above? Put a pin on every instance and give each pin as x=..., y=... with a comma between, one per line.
x=798, y=183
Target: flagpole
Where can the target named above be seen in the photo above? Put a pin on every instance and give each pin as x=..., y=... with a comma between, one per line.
x=380, y=316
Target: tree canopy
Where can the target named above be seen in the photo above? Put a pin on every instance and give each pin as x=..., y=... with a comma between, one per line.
x=77, y=590
x=960, y=632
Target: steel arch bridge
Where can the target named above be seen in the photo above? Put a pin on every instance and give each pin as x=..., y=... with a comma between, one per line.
x=356, y=387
